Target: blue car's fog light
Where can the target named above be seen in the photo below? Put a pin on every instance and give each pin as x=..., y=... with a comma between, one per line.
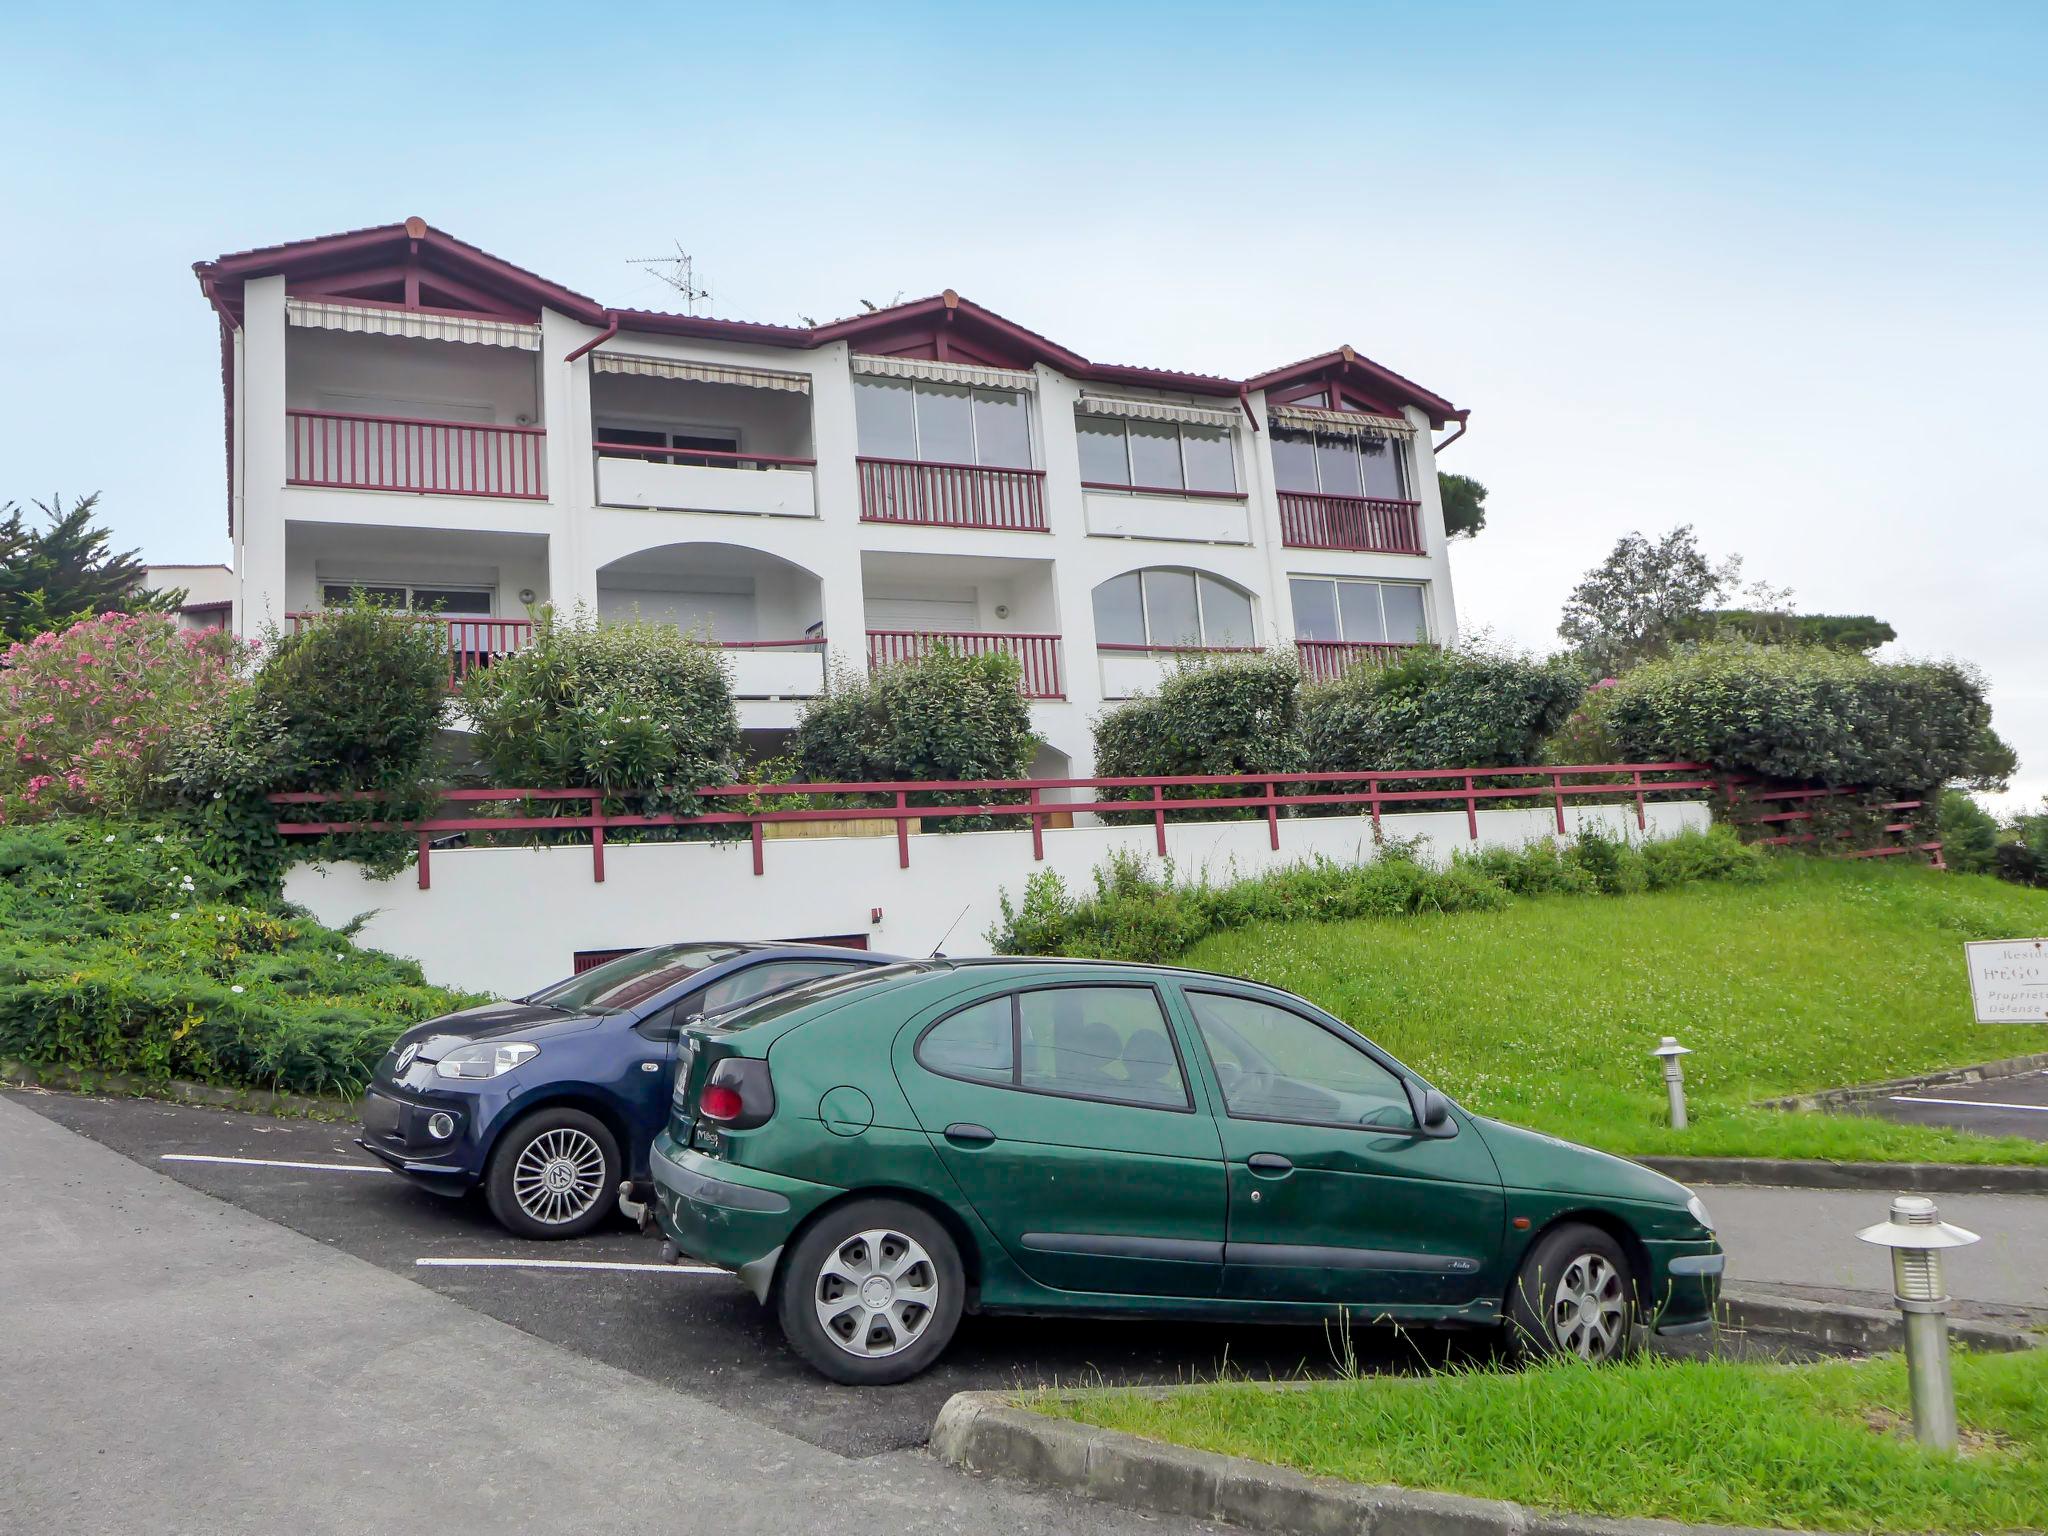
x=440, y=1125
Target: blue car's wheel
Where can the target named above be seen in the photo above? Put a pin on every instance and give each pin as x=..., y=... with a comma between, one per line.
x=554, y=1174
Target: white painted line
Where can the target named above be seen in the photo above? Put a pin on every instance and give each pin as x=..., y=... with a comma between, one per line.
x=1907, y=1098
x=271, y=1162
x=647, y=1269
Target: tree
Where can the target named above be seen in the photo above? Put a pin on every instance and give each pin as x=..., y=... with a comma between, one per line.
x=1858, y=632
x=1638, y=601
x=53, y=576
x=1464, y=502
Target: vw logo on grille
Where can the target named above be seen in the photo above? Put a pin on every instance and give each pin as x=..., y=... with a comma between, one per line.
x=405, y=1058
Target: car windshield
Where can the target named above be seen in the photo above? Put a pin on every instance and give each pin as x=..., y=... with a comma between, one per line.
x=631, y=979
x=750, y=1014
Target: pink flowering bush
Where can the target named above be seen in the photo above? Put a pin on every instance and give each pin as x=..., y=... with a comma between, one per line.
x=88, y=713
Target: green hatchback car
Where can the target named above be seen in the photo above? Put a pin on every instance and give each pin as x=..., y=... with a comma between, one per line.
x=876, y=1154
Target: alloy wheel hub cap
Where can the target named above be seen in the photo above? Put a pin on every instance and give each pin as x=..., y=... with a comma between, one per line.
x=877, y=1292
x=559, y=1176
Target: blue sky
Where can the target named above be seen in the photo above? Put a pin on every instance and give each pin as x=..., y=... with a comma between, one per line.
x=1774, y=270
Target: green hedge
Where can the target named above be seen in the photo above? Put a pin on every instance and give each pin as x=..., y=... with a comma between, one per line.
x=121, y=950
x=1810, y=715
x=1439, y=709
x=1134, y=913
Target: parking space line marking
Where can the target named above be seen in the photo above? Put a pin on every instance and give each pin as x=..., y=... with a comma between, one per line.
x=1907, y=1098
x=652, y=1269
x=269, y=1162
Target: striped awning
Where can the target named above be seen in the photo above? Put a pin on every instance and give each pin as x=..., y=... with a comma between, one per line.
x=935, y=372
x=1359, y=424
x=366, y=320
x=1158, y=410
x=702, y=373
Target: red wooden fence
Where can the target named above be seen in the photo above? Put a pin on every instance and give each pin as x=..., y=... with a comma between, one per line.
x=1037, y=655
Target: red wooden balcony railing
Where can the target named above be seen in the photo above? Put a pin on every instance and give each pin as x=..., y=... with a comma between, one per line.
x=393, y=453
x=702, y=458
x=472, y=644
x=1324, y=661
x=951, y=495
x=1037, y=655
x=1350, y=522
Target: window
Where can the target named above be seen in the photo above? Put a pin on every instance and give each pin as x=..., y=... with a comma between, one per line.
x=760, y=980
x=977, y=1042
x=1276, y=1064
x=1155, y=455
x=1339, y=464
x=942, y=423
x=1169, y=607
x=1103, y=1042
x=1376, y=612
x=453, y=602
x=708, y=441
x=632, y=978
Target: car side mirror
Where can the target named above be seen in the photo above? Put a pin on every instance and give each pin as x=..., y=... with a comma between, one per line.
x=1432, y=1110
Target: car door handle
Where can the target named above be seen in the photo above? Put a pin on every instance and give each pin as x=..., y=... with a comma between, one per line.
x=964, y=1133
x=1269, y=1164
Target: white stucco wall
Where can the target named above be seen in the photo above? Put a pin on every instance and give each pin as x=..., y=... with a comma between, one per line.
x=509, y=920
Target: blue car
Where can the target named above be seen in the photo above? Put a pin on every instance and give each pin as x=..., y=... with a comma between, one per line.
x=549, y=1103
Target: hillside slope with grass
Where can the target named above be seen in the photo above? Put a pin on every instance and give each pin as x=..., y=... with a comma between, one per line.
x=1543, y=1012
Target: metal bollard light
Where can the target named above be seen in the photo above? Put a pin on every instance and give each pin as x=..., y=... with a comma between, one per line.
x=1916, y=1234
x=1674, y=1078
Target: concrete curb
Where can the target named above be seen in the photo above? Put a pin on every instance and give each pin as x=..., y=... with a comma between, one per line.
x=1948, y=1077
x=981, y=1432
x=261, y=1101
x=1866, y=1330
x=1799, y=1173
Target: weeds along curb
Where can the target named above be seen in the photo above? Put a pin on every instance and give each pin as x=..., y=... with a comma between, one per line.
x=1828, y=1328
x=1813, y=1173
x=260, y=1101
x=980, y=1432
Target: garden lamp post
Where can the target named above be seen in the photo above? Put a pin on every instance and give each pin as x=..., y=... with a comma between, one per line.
x=1674, y=1077
x=1916, y=1234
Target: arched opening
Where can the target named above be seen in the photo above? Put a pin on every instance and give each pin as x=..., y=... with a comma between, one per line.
x=766, y=612
x=1147, y=620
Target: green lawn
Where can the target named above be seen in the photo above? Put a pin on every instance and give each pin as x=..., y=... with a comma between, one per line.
x=1820, y=1447
x=1831, y=972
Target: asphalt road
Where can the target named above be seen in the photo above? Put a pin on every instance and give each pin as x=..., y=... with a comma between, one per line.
x=697, y=1334
x=2006, y=1106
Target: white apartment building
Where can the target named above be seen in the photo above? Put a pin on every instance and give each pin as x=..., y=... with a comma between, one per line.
x=410, y=415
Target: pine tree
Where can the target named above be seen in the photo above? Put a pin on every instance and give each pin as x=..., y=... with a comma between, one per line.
x=55, y=574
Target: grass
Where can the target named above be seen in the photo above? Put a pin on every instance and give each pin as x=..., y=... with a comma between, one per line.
x=1544, y=1012
x=1820, y=1447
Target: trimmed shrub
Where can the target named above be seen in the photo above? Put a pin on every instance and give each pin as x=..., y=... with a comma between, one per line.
x=1137, y=912
x=88, y=713
x=1237, y=715
x=637, y=708
x=122, y=950
x=945, y=716
x=1812, y=716
x=361, y=692
x=1969, y=834
x=1439, y=709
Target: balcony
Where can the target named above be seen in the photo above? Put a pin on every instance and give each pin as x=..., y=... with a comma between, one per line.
x=951, y=495
x=1134, y=669
x=1324, y=661
x=1037, y=655
x=1312, y=521
x=697, y=480
x=424, y=457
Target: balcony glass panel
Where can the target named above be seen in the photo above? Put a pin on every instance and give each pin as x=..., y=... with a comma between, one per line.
x=1226, y=613
x=1002, y=429
x=1337, y=462
x=1382, y=460
x=945, y=424
x=1211, y=465
x=885, y=413
x=1294, y=462
x=1315, y=610
x=1104, y=460
x=1170, y=608
x=1155, y=454
x=1358, y=605
x=1406, y=622
x=1119, y=612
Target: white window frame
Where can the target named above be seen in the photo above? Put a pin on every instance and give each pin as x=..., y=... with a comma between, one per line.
x=1152, y=643
x=925, y=386
x=488, y=593
x=1402, y=467
x=1379, y=586
x=1130, y=488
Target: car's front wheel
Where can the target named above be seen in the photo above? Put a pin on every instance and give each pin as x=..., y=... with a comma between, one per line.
x=1575, y=1294
x=872, y=1292
x=554, y=1174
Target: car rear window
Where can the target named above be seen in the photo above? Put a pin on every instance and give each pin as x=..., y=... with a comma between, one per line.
x=770, y=1008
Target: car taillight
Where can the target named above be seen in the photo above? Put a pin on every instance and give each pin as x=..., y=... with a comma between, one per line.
x=720, y=1103
x=738, y=1094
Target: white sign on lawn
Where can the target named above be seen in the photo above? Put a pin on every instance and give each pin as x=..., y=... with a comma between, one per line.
x=2009, y=980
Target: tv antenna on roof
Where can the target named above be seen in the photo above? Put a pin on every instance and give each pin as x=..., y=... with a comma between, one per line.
x=678, y=271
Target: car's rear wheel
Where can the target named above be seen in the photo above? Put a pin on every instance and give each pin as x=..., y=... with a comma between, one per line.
x=1574, y=1294
x=872, y=1292
x=554, y=1174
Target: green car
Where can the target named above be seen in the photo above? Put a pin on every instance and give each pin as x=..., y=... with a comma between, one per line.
x=877, y=1153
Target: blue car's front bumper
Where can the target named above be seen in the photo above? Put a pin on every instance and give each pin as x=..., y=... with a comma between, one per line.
x=395, y=1132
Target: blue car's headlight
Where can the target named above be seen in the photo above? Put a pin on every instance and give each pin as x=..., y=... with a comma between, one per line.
x=491, y=1059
